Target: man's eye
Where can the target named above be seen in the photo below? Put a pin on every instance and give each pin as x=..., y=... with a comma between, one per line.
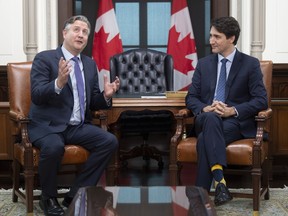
x=85, y=32
x=76, y=30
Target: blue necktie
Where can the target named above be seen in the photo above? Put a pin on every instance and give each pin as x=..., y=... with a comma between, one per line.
x=80, y=86
x=220, y=93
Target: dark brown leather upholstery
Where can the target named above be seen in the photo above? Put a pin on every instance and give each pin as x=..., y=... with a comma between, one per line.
x=251, y=153
x=25, y=156
x=142, y=72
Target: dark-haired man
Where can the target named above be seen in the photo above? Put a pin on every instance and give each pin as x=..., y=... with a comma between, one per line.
x=227, y=91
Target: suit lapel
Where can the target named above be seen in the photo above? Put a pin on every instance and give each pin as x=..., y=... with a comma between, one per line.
x=87, y=78
x=235, y=67
x=213, y=75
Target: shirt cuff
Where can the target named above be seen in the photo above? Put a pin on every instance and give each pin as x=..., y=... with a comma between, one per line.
x=237, y=114
x=108, y=101
x=57, y=89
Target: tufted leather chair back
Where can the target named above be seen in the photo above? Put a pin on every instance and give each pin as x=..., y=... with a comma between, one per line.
x=142, y=71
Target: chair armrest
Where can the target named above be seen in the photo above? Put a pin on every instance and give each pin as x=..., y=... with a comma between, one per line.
x=181, y=117
x=17, y=116
x=264, y=115
x=263, y=125
x=101, y=117
x=180, y=132
x=185, y=113
x=20, y=122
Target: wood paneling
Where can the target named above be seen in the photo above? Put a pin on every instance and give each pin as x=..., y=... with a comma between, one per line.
x=3, y=84
x=6, y=147
x=66, y=10
x=279, y=144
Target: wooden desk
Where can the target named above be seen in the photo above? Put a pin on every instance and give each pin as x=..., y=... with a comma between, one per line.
x=122, y=104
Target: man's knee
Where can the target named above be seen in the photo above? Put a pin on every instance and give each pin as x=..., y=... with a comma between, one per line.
x=52, y=150
x=112, y=141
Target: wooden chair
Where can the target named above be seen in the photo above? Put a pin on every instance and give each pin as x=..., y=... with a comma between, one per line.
x=26, y=156
x=246, y=156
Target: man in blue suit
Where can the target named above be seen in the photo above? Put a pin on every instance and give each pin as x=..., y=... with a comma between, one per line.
x=58, y=116
x=221, y=120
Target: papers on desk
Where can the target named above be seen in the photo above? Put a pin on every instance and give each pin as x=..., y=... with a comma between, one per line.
x=176, y=94
x=153, y=96
x=167, y=94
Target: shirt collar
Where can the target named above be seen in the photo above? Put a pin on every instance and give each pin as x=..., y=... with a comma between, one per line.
x=67, y=54
x=229, y=57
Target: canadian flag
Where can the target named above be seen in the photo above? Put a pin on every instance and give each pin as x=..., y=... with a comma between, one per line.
x=181, y=45
x=107, y=41
x=180, y=203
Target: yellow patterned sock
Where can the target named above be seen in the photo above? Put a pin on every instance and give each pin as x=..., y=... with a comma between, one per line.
x=217, y=171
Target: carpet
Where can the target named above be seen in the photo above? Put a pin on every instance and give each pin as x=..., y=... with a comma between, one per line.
x=277, y=205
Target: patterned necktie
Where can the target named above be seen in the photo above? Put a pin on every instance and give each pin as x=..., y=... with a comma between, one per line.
x=220, y=93
x=80, y=86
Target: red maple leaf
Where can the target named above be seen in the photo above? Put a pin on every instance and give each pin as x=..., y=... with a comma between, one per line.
x=102, y=51
x=179, y=50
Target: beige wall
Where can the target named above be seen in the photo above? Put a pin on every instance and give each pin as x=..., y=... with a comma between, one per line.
x=30, y=26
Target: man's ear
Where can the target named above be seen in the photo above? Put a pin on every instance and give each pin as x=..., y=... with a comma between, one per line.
x=232, y=39
x=64, y=32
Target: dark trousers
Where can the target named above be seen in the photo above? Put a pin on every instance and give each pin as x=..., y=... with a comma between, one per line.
x=100, y=143
x=213, y=134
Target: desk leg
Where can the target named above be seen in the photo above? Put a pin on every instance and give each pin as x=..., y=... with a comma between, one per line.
x=112, y=176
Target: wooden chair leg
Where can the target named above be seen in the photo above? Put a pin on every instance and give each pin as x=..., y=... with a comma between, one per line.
x=265, y=178
x=180, y=167
x=16, y=180
x=173, y=174
x=256, y=183
x=29, y=185
x=112, y=171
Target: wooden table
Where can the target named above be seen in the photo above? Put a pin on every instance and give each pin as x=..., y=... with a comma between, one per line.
x=122, y=104
x=132, y=103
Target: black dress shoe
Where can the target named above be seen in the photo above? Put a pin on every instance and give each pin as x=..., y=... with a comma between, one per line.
x=67, y=201
x=222, y=194
x=51, y=206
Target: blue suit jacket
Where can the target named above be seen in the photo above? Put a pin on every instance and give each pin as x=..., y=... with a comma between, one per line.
x=244, y=89
x=51, y=112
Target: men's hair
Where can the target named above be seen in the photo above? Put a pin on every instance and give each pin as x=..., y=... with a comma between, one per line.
x=72, y=19
x=228, y=26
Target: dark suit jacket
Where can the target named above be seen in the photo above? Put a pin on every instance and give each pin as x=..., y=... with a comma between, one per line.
x=244, y=89
x=51, y=112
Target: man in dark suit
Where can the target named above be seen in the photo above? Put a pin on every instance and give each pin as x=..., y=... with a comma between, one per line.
x=58, y=115
x=219, y=121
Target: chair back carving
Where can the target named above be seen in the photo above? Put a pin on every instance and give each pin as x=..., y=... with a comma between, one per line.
x=19, y=87
x=142, y=71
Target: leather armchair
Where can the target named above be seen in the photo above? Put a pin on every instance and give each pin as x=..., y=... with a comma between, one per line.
x=246, y=156
x=26, y=156
x=142, y=72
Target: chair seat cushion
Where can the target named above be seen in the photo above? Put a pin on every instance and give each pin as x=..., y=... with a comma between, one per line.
x=238, y=152
x=73, y=154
